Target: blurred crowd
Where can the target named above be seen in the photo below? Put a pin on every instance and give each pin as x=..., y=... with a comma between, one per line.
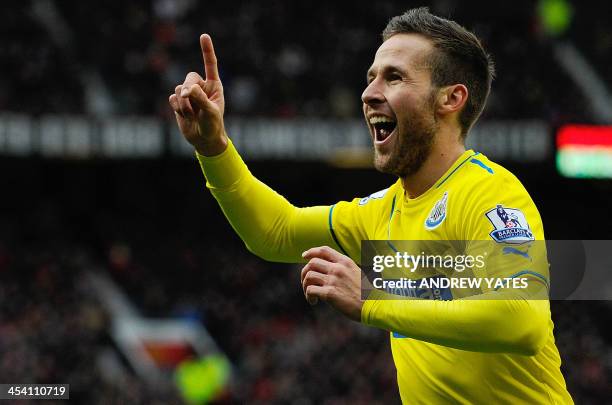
x=277, y=59
x=53, y=330
x=592, y=36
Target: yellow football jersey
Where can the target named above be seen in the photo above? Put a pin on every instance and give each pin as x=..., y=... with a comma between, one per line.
x=475, y=200
x=449, y=349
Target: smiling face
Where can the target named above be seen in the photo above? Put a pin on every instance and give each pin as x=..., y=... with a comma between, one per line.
x=398, y=105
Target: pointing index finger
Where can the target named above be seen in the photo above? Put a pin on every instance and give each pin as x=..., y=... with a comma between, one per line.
x=210, y=59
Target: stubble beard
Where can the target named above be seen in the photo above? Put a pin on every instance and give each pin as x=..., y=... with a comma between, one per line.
x=412, y=146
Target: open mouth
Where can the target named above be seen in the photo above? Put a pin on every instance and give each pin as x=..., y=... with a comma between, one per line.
x=383, y=127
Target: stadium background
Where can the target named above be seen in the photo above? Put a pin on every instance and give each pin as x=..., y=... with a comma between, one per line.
x=139, y=215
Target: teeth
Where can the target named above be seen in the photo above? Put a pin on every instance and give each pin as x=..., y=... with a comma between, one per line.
x=379, y=119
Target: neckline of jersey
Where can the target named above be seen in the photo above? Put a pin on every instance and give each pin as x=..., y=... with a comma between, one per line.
x=461, y=160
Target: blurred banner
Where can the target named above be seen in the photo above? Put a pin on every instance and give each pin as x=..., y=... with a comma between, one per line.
x=82, y=137
x=585, y=151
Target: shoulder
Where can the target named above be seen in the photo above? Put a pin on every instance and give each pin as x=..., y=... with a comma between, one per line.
x=353, y=221
x=491, y=195
x=482, y=178
x=381, y=197
x=378, y=203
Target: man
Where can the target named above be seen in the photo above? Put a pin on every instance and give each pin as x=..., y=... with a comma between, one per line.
x=426, y=87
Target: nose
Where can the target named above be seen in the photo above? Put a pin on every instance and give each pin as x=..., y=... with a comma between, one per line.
x=372, y=94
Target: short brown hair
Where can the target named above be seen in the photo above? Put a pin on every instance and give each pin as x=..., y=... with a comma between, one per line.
x=459, y=57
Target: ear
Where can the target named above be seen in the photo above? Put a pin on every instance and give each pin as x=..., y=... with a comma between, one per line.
x=451, y=98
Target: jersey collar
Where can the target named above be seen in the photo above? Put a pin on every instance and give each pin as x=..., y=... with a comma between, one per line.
x=465, y=157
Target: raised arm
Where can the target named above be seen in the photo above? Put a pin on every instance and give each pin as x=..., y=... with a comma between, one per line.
x=269, y=225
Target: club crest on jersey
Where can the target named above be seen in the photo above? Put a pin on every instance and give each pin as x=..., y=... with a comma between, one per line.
x=437, y=215
x=510, y=225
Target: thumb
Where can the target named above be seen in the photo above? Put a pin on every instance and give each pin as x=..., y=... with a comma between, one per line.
x=199, y=98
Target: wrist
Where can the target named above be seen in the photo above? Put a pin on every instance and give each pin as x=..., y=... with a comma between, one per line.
x=214, y=148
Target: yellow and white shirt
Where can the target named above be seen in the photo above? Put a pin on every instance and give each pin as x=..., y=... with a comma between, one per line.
x=496, y=347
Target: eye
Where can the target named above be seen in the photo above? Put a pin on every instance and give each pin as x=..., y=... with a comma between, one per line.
x=394, y=77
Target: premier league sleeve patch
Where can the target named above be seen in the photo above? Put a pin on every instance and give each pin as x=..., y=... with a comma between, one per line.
x=510, y=225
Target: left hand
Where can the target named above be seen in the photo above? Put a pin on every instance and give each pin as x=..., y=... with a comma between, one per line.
x=333, y=278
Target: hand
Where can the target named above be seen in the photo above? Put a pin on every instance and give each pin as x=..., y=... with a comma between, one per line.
x=334, y=278
x=199, y=105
